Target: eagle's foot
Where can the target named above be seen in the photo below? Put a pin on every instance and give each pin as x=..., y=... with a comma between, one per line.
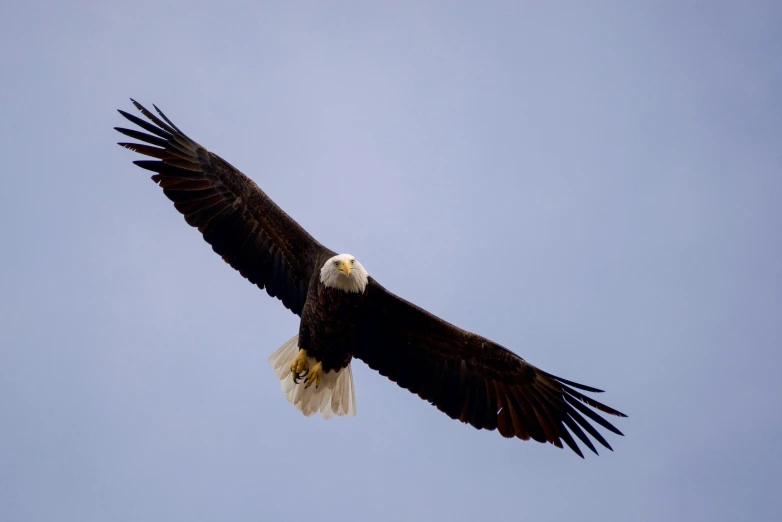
x=315, y=373
x=300, y=366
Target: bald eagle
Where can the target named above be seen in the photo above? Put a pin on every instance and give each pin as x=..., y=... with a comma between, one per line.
x=345, y=313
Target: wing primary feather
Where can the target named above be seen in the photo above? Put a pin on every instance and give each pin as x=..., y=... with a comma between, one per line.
x=153, y=118
x=169, y=122
x=177, y=136
x=138, y=135
x=571, y=383
x=565, y=435
x=592, y=402
x=585, y=424
x=184, y=151
x=167, y=170
x=146, y=125
x=579, y=433
x=154, y=166
x=153, y=152
x=592, y=415
x=555, y=397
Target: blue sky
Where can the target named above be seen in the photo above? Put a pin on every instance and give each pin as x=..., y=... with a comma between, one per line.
x=616, y=165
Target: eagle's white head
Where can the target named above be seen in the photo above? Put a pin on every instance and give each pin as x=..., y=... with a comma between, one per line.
x=344, y=273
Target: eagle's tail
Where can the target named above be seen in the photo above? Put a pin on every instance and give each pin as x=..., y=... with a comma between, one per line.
x=334, y=396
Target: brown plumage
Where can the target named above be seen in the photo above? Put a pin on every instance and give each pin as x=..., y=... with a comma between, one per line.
x=464, y=375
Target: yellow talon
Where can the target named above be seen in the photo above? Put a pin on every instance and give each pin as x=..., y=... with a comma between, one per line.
x=300, y=366
x=316, y=372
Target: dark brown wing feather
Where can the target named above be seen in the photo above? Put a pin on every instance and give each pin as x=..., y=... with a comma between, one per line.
x=473, y=379
x=236, y=217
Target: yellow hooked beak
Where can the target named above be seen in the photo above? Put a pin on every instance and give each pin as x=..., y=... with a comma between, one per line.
x=346, y=268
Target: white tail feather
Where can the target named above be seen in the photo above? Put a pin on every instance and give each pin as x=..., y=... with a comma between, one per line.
x=334, y=396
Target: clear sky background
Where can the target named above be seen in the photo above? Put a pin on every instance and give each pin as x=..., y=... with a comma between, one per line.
x=595, y=185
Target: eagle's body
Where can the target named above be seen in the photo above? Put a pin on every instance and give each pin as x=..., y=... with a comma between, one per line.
x=330, y=328
x=346, y=314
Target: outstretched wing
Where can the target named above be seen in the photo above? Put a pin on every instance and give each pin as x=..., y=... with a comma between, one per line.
x=473, y=379
x=236, y=217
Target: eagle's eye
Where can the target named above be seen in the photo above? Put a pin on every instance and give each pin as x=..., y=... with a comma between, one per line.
x=352, y=261
x=336, y=263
